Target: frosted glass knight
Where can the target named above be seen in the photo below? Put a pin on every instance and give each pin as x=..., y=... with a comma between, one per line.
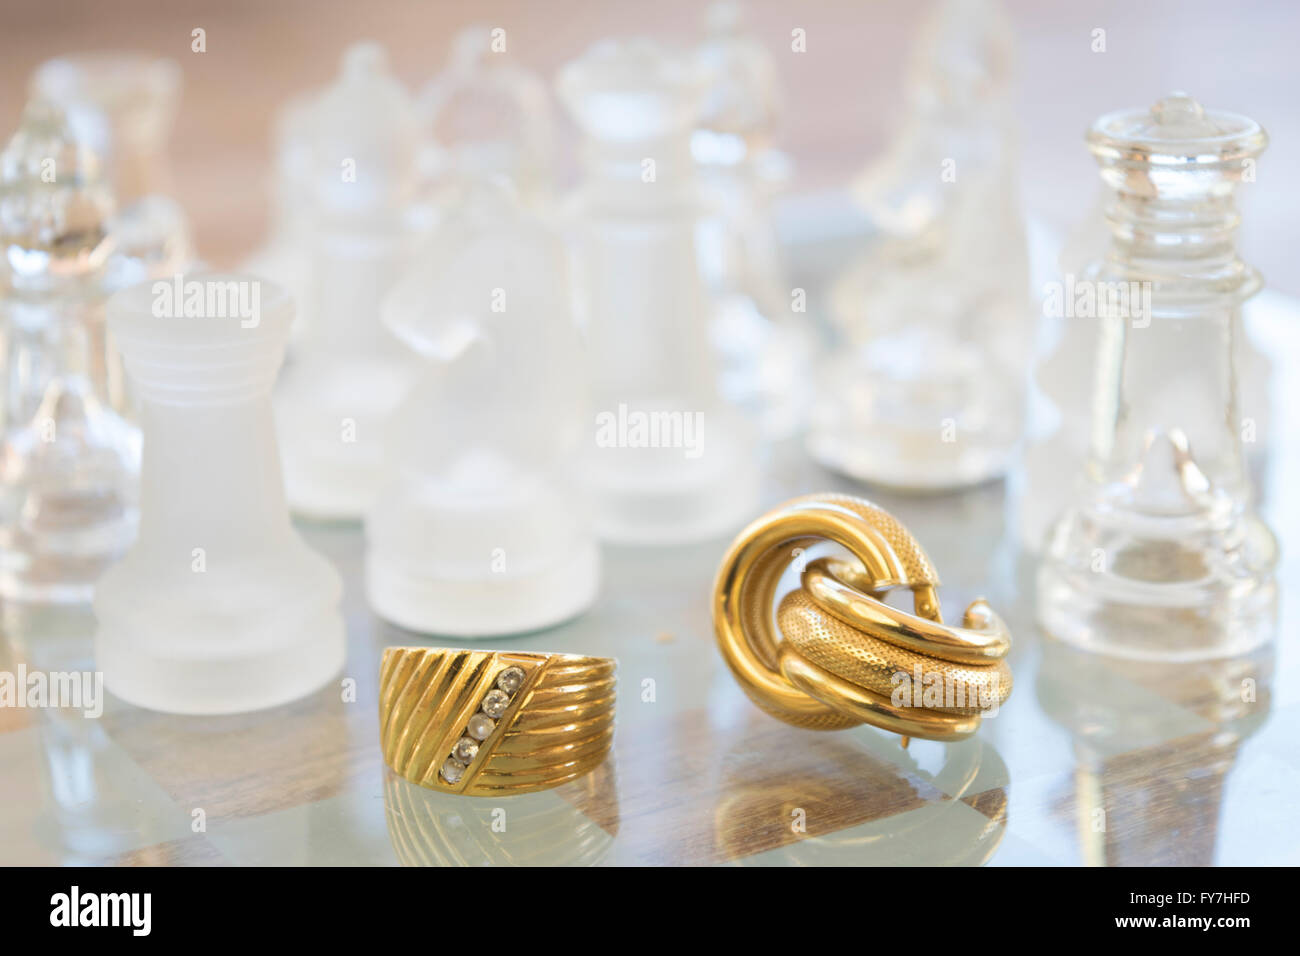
x=480, y=526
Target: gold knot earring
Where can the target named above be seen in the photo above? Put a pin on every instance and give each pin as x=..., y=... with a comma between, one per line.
x=839, y=655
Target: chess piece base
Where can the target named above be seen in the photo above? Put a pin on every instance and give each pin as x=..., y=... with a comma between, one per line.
x=330, y=416
x=180, y=654
x=489, y=606
x=1186, y=594
x=658, y=497
x=925, y=434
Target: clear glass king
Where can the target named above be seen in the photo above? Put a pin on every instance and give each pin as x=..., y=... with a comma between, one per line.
x=1161, y=555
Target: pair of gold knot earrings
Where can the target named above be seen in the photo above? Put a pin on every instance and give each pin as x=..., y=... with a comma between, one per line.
x=833, y=655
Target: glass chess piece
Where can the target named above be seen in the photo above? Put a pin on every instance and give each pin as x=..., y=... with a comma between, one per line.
x=348, y=372
x=285, y=255
x=219, y=607
x=123, y=106
x=764, y=349
x=669, y=461
x=69, y=460
x=928, y=390
x=1057, y=450
x=480, y=528
x=1160, y=553
x=487, y=117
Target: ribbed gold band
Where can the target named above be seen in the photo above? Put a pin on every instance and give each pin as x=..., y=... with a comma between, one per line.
x=483, y=723
x=839, y=655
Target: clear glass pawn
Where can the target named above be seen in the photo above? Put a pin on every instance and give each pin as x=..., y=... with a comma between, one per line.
x=1160, y=554
x=69, y=461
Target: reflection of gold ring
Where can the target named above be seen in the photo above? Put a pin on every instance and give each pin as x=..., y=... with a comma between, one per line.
x=847, y=657
x=481, y=723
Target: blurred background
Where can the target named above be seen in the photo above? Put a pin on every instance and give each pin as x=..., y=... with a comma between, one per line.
x=843, y=96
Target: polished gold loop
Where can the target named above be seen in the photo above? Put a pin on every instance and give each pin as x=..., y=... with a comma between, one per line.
x=838, y=653
x=484, y=723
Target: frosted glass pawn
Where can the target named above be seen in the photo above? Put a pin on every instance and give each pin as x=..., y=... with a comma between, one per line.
x=219, y=607
x=669, y=461
x=348, y=372
x=480, y=527
x=69, y=460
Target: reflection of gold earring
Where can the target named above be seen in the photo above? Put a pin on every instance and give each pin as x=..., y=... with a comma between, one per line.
x=848, y=657
x=855, y=831
x=483, y=723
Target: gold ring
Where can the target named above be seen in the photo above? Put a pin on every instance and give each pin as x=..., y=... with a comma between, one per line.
x=485, y=723
x=839, y=655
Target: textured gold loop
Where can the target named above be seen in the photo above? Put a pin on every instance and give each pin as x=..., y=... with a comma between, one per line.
x=484, y=722
x=835, y=655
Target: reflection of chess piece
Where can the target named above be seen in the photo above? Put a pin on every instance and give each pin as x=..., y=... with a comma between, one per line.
x=489, y=117
x=534, y=829
x=669, y=461
x=845, y=828
x=763, y=352
x=348, y=373
x=90, y=810
x=477, y=529
x=122, y=106
x=936, y=316
x=219, y=607
x=68, y=468
x=1160, y=553
x=1129, y=761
